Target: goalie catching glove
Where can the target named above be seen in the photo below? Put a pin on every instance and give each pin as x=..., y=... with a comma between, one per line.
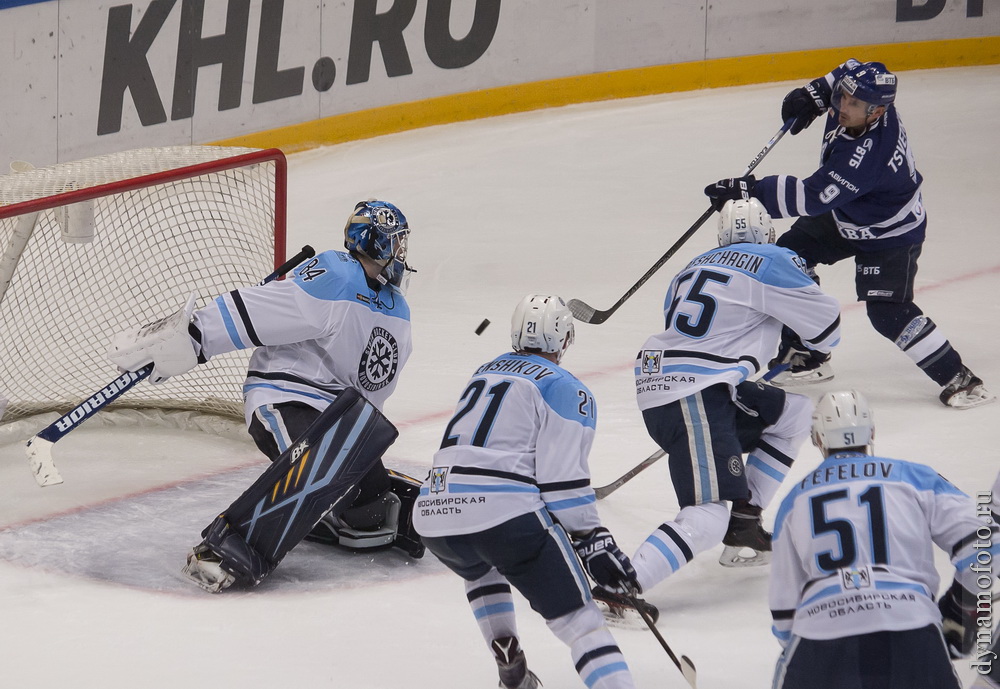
x=164, y=343
x=604, y=561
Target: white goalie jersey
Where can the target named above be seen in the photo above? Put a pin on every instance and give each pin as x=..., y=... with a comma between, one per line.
x=319, y=331
x=723, y=318
x=517, y=443
x=854, y=547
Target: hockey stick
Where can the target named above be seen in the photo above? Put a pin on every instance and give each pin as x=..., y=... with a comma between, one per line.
x=39, y=447
x=588, y=314
x=683, y=664
x=602, y=492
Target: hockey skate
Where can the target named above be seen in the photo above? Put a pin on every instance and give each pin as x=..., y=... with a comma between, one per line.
x=514, y=672
x=205, y=569
x=746, y=542
x=619, y=612
x=965, y=391
x=804, y=368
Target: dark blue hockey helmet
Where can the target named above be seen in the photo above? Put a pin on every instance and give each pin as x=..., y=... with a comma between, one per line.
x=379, y=230
x=870, y=82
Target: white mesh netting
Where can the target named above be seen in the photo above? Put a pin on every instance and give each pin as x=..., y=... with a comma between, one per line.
x=153, y=246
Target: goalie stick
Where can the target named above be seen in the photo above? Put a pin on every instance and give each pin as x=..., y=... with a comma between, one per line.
x=602, y=492
x=39, y=447
x=588, y=314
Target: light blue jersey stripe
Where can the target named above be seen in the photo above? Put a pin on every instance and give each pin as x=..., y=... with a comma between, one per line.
x=227, y=319
x=570, y=503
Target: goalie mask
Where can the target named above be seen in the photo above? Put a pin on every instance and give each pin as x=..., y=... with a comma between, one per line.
x=745, y=221
x=842, y=420
x=542, y=323
x=379, y=230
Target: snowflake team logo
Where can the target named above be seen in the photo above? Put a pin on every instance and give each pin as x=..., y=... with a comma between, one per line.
x=379, y=361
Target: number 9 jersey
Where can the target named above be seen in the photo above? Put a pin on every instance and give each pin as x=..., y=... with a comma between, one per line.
x=518, y=443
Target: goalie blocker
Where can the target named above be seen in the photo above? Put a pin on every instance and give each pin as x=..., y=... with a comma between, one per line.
x=314, y=476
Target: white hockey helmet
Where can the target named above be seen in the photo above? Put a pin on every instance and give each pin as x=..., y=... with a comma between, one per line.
x=745, y=220
x=542, y=323
x=842, y=420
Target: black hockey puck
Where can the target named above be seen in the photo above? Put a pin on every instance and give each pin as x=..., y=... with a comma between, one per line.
x=482, y=326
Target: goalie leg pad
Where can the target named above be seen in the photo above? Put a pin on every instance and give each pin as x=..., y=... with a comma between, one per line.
x=224, y=558
x=310, y=478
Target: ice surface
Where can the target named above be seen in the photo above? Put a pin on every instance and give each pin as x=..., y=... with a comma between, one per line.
x=578, y=201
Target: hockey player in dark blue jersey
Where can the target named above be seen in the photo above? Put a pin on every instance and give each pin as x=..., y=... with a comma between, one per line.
x=863, y=201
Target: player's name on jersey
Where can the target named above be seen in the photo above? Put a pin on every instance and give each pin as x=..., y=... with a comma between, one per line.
x=748, y=262
x=847, y=472
x=524, y=368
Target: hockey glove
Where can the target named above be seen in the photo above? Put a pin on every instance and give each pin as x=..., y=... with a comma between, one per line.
x=604, y=561
x=164, y=343
x=805, y=104
x=958, y=620
x=797, y=355
x=730, y=189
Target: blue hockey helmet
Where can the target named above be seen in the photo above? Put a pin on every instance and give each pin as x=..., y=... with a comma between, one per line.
x=379, y=230
x=870, y=82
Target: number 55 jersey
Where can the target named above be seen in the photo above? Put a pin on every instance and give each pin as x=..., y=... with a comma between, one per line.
x=723, y=318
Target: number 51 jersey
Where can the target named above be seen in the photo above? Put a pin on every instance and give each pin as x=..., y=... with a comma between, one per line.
x=854, y=547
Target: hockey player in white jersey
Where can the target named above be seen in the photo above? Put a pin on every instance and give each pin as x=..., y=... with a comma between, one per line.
x=853, y=579
x=986, y=661
x=340, y=321
x=865, y=202
x=508, y=501
x=723, y=316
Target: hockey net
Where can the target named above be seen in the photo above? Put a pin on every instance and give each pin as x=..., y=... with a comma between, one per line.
x=93, y=247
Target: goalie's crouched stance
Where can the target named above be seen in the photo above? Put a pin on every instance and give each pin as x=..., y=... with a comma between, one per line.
x=319, y=476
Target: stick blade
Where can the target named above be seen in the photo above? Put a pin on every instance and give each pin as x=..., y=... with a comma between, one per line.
x=689, y=672
x=581, y=311
x=43, y=468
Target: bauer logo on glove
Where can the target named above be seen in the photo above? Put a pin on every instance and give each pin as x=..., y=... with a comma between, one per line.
x=604, y=561
x=731, y=189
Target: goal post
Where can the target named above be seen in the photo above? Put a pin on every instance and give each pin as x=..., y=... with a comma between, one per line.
x=92, y=247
